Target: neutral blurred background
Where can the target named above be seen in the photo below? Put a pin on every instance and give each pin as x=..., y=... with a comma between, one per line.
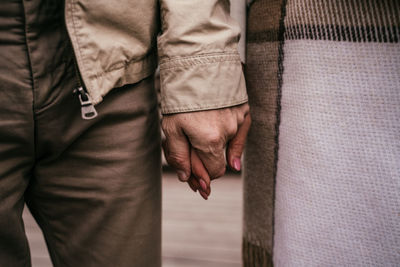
x=196, y=233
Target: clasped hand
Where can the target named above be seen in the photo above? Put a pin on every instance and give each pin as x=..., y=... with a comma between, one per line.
x=198, y=144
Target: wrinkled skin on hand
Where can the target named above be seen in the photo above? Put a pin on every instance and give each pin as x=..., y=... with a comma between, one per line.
x=196, y=144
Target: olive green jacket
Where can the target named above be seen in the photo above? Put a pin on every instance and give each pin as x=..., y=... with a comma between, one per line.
x=115, y=43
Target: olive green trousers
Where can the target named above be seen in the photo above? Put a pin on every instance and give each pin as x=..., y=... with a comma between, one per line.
x=93, y=186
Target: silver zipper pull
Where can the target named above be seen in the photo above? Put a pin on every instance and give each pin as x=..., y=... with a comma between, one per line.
x=87, y=108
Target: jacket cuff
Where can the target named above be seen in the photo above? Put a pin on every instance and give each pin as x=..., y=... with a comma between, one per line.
x=201, y=82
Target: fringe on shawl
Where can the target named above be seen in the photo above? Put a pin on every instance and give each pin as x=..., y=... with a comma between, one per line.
x=255, y=256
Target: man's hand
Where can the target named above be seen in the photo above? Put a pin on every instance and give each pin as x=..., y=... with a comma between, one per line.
x=199, y=179
x=207, y=134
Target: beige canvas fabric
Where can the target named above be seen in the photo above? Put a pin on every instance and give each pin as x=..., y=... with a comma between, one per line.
x=115, y=44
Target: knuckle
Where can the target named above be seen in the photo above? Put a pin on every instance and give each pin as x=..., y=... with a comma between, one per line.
x=240, y=119
x=237, y=146
x=214, y=138
x=232, y=129
x=245, y=108
x=175, y=159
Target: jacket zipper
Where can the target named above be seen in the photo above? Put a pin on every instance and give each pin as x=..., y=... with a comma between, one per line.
x=88, y=110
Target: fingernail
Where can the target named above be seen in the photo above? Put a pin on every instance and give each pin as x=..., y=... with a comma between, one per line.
x=203, y=194
x=236, y=164
x=182, y=175
x=203, y=185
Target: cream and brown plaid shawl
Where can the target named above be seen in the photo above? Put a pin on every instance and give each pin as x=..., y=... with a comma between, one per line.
x=322, y=166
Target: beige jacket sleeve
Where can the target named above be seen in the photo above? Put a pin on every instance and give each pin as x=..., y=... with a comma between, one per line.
x=200, y=67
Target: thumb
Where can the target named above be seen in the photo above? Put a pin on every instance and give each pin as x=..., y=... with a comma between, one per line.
x=177, y=153
x=236, y=144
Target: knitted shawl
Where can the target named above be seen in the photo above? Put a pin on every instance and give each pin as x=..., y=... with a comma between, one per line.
x=322, y=165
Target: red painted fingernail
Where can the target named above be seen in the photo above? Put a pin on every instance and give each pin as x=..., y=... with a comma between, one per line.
x=203, y=194
x=203, y=185
x=236, y=164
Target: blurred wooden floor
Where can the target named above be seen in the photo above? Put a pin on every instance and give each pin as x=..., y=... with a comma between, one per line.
x=196, y=233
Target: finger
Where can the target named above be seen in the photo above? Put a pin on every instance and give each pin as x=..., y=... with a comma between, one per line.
x=193, y=183
x=177, y=152
x=213, y=161
x=200, y=172
x=236, y=145
x=203, y=194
